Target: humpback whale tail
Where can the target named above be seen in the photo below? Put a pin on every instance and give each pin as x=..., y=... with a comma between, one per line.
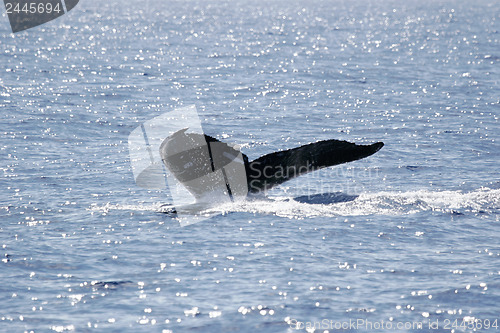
x=205, y=165
x=276, y=168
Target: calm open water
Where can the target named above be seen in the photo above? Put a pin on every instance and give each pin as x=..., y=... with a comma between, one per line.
x=83, y=248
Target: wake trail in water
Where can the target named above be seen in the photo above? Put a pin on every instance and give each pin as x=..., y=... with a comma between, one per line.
x=481, y=201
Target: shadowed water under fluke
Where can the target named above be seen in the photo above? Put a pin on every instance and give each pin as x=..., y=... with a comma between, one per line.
x=325, y=198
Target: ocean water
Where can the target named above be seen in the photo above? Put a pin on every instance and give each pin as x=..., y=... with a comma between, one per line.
x=407, y=236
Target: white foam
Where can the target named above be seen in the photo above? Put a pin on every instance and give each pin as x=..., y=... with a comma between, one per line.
x=380, y=203
x=156, y=207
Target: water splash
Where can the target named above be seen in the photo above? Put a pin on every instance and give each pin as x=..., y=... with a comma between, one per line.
x=480, y=201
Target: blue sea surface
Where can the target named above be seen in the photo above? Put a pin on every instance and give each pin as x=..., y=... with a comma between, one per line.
x=407, y=236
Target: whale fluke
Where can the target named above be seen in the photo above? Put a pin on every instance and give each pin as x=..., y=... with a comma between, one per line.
x=207, y=166
x=278, y=167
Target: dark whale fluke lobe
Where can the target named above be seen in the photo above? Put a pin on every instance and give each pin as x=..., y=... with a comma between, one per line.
x=276, y=168
x=207, y=166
